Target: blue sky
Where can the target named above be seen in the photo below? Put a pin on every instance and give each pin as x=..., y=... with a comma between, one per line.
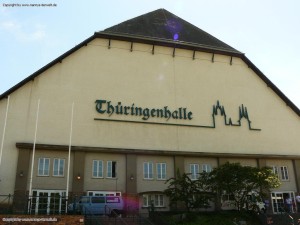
x=267, y=31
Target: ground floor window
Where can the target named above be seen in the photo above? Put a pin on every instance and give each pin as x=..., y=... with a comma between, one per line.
x=156, y=200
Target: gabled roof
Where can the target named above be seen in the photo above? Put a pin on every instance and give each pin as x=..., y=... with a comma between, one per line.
x=165, y=26
x=162, y=28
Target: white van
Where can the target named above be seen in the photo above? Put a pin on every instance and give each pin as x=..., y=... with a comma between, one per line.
x=104, y=205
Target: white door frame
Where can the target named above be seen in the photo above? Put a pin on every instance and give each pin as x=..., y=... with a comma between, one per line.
x=278, y=201
x=49, y=192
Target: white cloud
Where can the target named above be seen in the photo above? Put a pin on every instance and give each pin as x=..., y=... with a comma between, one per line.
x=9, y=26
x=22, y=31
x=39, y=34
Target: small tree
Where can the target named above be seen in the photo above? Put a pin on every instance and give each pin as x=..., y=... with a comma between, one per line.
x=205, y=193
x=190, y=192
x=239, y=181
x=181, y=189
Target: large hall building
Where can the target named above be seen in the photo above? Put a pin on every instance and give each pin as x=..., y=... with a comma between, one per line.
x=119, y=113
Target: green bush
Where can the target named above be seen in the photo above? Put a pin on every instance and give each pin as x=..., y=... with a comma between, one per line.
x=191, y=217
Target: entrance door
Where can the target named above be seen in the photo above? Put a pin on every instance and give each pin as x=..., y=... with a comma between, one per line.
x=47, y=202
x=279, y=202
x=57, y=203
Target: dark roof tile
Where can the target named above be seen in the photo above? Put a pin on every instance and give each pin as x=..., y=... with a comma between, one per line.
x=163, y=25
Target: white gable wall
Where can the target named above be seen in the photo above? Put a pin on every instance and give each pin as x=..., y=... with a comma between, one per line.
x=149, y=81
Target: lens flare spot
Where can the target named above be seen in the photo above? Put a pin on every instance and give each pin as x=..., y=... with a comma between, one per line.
x=175, y=37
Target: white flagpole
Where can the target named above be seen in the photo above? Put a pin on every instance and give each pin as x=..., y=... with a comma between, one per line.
x=4, y=129
x=69, y=157
x=33, y=151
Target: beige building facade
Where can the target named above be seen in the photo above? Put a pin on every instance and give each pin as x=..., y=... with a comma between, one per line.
x=121, y=112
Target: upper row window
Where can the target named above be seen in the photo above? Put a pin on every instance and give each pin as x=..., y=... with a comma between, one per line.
x=283, y=175
x=111, y=169
x=195, y=170
x=44, y=167
x=161, y=171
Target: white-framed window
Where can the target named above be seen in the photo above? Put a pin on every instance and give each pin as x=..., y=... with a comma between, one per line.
x=97, y=168
x=148, y=170
x=111, y=169
x=146, y=200
x=43, y=167
x=275, y=170
x=284, y=173
x=104, y=193
x=161, y=170
x=156, y=199
x=206, y=168
x=194, y=171
x=58, y=167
